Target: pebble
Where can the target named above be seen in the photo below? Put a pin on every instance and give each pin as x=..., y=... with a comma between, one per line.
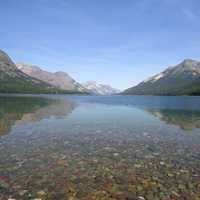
x=141, y=198
x=41, y=193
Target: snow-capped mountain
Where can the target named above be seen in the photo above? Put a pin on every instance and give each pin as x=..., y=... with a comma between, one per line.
x=100, y=89
x=182, y=79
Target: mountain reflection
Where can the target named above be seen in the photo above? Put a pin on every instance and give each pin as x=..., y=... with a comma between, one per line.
x=23, y=110
x=184, y=119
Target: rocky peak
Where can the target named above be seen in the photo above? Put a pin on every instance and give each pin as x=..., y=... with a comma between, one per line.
x=101, y=89
x=4, y=58
x=59, y=73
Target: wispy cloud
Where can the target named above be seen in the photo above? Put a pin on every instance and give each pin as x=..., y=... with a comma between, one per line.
x=186, y=8
x=189, y=14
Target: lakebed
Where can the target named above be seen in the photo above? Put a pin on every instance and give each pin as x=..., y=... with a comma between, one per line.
x=99, y=147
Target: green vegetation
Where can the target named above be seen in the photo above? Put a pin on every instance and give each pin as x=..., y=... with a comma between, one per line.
x=21, y=85
x=10, y=112
x=184, y=119
x=173, y=86
x=183, y=79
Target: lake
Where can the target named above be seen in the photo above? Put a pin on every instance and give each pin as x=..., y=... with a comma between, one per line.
x=99, y=147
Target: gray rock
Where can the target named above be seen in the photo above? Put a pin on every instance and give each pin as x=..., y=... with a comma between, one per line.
x=183, y=79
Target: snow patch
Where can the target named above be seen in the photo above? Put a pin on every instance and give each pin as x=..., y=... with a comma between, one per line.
x=157, y=77
x=154, y=78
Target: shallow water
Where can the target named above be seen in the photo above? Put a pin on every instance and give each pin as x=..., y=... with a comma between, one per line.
x=93, y=147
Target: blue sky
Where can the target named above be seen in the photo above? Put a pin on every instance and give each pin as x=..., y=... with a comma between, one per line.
x=119, y=42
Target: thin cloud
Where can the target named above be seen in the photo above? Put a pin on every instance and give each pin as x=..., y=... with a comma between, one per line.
x=184, y=8
x=189, y=14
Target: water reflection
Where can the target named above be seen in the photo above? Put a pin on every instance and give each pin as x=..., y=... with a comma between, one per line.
x=101, y=151
x=23, y=110
x=184, y=119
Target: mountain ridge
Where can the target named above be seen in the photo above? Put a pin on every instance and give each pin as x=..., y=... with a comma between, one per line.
x=182, y=79
x=11, y=77
x=13, y=80
x=100, y=89
x=58, y=79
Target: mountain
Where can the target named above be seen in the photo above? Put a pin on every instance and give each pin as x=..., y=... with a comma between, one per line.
x=21, y=110
x=12, y=80
x=100, y=89
x=184, y=119
x=59, y=80
x=183, y=79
